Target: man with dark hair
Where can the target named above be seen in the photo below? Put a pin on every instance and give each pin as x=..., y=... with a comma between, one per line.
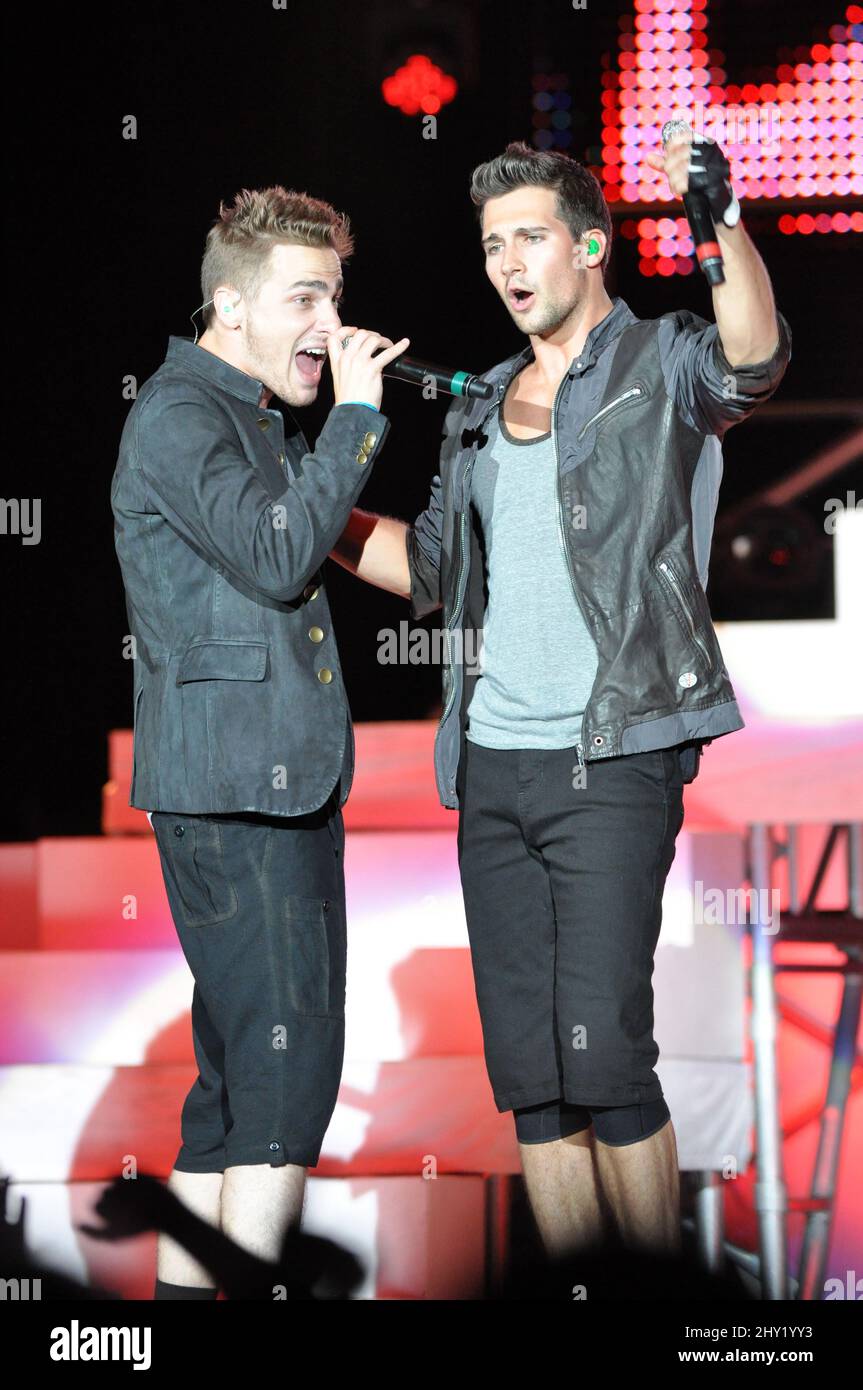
x=243, y=738
x=580, y=203
x=571, y=523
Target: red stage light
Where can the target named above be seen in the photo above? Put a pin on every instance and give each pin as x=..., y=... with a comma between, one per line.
x=419, y=86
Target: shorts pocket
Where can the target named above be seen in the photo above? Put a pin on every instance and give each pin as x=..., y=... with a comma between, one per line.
x=316, y=956
x=192, y=856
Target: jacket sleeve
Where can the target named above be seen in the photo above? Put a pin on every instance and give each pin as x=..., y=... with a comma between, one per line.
x=192, y=460
x=710, y=394
x=424, y=538
x=423, y=541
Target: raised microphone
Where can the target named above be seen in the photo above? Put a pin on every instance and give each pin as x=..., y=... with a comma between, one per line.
x=445, y=379
x=697, y=209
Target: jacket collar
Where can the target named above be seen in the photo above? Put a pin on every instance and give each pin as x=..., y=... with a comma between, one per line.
x=619, y=316
x=187, y=353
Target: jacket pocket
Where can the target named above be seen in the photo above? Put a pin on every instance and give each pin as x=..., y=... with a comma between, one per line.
x=223, y=659
x=673, y=585
x=316, y=956
x=635, y=393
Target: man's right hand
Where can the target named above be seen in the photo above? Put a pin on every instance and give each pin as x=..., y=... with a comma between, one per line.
x=356, y=374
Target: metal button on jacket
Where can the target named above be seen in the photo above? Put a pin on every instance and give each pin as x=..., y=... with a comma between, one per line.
x=362, y=457
x=370, y=441
x=311, y=591
x=264, y=423
x=325, y=675
x=316, y=634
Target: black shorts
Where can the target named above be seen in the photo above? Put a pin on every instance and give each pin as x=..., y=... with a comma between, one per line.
x=259, y=907
x=563, y=898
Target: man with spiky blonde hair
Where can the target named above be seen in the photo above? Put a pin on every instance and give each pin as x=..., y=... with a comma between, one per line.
x=243, y=739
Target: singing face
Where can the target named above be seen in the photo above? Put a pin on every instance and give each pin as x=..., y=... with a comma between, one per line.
x=532, y=260
x=284, y=330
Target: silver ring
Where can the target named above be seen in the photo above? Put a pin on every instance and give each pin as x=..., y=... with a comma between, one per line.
x=346, y=340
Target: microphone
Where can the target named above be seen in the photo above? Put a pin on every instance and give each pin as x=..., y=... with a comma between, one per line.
x=699, y=217
x=445, y=379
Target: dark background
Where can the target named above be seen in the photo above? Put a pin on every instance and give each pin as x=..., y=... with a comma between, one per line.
x=104, y=243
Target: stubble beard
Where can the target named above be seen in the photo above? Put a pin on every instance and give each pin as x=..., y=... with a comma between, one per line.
x=268, y=362
x=557, y=307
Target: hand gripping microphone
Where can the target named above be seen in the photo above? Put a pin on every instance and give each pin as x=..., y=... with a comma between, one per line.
x=696, y=205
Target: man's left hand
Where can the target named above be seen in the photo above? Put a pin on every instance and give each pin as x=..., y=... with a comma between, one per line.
x=699, y=166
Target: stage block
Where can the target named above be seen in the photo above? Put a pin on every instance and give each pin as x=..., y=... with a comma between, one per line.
x=108, y=891
x=410, y=982
x=416, y=1238
x=113, y=1008
x=99, y=891
x=698, y=982
x=19, y=902
x=83, y=1123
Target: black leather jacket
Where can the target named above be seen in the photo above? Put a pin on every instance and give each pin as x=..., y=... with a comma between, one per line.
x=637, y=424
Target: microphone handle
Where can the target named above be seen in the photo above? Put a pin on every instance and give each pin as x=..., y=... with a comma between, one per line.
x=707, y=250
x=450, y=382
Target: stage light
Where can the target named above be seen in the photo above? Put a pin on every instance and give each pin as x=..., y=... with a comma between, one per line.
x=552, y=122
x=768, y=550
x=419, y=87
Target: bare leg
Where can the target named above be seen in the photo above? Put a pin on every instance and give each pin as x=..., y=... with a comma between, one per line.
x=201, y=1193
x=642, y=1184
x=564, y=1196
x=259, y=1203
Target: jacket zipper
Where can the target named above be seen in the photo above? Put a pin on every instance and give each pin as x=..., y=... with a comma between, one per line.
x=579, y=747
x=671, y=578
x=612, y=405
x=456, y=609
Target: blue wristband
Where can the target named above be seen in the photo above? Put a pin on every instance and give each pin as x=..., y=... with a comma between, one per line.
x=367, y=403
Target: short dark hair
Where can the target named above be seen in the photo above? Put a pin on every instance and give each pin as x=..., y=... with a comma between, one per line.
x=580, y=200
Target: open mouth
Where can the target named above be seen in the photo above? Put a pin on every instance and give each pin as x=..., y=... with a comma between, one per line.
x=520, y=299
x=310, y=362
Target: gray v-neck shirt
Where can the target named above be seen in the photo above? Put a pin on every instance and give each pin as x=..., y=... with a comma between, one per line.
x=538, y=660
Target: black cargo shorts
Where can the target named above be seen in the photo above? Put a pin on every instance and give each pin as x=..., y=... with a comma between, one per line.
x=563, y=877
x=259, y=907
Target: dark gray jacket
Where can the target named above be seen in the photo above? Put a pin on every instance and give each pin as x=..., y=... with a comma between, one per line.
x=223, y=518
x=637, y=423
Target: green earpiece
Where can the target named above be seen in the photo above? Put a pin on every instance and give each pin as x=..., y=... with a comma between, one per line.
x=592, y=246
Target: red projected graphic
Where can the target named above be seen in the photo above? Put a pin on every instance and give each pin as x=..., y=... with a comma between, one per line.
x=419, y=86
x=798, y=137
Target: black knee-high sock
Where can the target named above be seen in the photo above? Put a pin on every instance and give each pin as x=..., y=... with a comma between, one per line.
x=164, y=1290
